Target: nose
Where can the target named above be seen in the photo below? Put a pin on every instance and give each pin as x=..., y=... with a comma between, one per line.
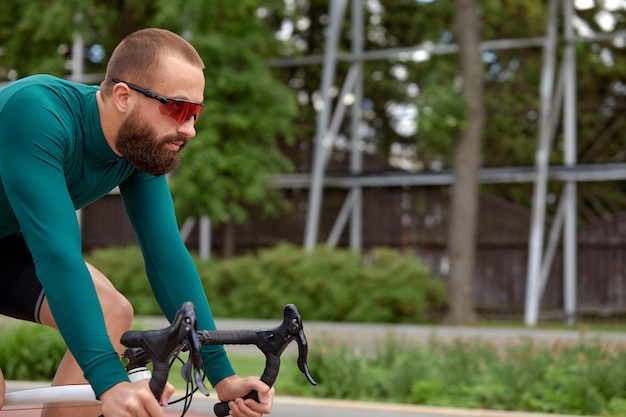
x=187, y=129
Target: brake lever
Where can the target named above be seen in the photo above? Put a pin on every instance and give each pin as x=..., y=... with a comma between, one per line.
x=160, y=345
x=295, y=331
x=272, y=343
x=191, y=368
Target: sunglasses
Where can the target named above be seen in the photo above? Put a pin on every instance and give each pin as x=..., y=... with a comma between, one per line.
x=178, y=109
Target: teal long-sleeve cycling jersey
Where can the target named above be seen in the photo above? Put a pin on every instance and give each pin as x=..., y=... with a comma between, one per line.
x=54, y=159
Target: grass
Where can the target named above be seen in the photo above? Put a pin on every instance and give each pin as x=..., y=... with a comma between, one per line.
x=569, y=378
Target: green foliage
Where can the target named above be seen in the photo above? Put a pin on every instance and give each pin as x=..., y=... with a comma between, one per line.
x=616, y=407
x=36, y=36
x=229, y=164
x=325, y=284
x=441, y=118
x=125, y=268
x=525, y=376
x=574, y=379
x=227, y=168
x=30, y=352
x=511, y=93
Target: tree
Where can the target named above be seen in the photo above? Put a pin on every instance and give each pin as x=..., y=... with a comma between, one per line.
x=467, y=163
x=228, y=167
x=32, y=41
x=36, y=36
x=227, y=170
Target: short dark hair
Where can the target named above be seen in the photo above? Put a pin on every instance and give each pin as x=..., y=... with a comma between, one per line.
x=137, y=58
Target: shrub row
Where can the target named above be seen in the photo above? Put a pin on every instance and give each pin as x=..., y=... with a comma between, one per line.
x=577, y=379
x=326, y=284
x=30, y=352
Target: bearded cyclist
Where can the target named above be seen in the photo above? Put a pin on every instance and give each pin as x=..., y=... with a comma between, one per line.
x=64, y=145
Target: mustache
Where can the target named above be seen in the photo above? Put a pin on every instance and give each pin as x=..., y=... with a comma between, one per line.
x=175, y=139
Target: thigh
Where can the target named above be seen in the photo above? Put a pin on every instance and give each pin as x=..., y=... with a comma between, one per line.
x=21, y=293
x=116, y=308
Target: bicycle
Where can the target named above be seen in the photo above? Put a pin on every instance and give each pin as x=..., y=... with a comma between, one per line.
x=161, y=348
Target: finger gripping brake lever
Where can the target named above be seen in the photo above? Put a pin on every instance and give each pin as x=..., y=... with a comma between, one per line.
x=272, y=343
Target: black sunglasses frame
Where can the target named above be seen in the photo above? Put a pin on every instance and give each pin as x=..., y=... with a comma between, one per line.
x=151, y=94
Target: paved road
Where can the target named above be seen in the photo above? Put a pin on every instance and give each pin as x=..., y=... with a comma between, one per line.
x=302, y=407
x=308, y=407
x=369, y=336
x=364, y=337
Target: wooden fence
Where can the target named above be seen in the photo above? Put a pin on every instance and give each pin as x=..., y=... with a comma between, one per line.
x=415, y=221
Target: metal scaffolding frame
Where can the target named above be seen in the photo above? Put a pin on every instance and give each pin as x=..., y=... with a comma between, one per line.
x=555, y=102
x=551, y=101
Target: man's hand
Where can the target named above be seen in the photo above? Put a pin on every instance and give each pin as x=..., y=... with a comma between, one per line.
x=234, y=388
x=134, y=400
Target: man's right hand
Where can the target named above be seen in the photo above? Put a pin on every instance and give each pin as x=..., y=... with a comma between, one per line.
x=134, y=400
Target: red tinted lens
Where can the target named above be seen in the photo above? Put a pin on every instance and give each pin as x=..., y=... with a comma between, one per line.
x=180, y=110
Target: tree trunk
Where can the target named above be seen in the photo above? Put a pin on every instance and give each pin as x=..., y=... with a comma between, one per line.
x=467, y=162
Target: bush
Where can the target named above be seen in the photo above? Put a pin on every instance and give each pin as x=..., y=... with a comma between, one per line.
x=578, y=379
x=30, y=352
x=124, y=266
x=326, y=284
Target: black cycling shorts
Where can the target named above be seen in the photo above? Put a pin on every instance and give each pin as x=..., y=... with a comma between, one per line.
x=21, y=293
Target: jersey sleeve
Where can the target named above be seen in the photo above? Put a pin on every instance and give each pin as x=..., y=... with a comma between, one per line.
x=172, y=273
x=33, y=149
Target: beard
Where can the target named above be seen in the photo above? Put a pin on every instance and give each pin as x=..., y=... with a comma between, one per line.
x=137, y=144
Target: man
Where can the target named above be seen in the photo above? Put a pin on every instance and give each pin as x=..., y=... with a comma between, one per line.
x=64, y=145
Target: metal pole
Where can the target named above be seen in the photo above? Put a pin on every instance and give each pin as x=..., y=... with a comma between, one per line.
x=570, y=191
x=339, y=113
x=535, y=246
x=78, y=52
x=336, y=12
x=557, y=224
x=205, y=237
x=187, y=227
x=77, y=58
x=356, y=153
x=341, y=220
x=392, y=53
x=553, y=241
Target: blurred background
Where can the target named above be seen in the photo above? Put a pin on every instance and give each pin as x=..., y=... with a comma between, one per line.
x=482, y=139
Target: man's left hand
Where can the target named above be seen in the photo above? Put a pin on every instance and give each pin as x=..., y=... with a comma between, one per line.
x=234, y=388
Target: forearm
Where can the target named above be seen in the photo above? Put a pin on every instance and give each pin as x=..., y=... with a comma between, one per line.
x=170, y=268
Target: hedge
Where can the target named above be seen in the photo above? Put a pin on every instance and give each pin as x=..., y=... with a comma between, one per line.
x=325, y=284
